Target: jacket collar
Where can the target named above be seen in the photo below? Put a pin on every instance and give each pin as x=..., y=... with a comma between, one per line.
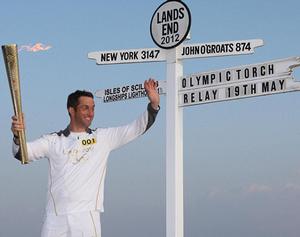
x=66, y=132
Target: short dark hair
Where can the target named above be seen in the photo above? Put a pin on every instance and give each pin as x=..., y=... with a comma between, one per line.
x=74, y=97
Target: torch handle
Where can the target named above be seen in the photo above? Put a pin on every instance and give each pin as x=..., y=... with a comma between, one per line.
x=10, y=55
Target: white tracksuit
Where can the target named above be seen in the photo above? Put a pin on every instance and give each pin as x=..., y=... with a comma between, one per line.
x=77, y=164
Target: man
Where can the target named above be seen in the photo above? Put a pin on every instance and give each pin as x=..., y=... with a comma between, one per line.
x=77, y=159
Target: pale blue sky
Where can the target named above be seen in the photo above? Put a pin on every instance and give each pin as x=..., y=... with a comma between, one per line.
x=241, y=158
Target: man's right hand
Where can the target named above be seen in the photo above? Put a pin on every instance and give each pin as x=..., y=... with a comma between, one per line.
x=17, y=125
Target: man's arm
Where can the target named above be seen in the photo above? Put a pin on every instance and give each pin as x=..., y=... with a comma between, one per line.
x=119, y=136
x=36, y=149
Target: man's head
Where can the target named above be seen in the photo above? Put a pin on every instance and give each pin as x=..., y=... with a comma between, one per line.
x=80, y=106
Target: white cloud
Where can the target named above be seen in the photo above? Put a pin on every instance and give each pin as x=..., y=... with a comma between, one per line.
x=258, y=188
x=215, y=192
x=292, y=187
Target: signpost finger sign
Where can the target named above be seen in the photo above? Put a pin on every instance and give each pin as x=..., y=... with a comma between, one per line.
x=127, y=92
x=239, y=82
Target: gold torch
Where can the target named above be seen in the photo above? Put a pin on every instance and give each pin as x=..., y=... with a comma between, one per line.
x=10, y=55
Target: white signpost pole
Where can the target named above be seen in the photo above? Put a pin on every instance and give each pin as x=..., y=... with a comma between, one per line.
x=170, y=25
x=174, y=148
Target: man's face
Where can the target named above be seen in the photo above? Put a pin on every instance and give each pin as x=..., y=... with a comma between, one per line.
x=83, y=114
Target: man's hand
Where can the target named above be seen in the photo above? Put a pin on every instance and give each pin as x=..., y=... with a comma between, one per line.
x=17, y=125
x=151, y=89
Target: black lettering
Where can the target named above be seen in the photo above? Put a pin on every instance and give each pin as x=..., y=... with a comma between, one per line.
x=263, y=70
x=228, y=95
x=185, y=98
x=236, y=91
x=281, y=82
x=212, y=78
x=273, y=87
x=191, y=50
x=164, y=29
x=181, y=13
x=228, y=77
x=248, y=46
x=163, y=17
x=207, y=97
x=222, y=48
x=170, y=28
x=175, y=27
x=107, y=57
x=245, y=89
x=265, y=86
x=196, y=50
x=238, y=72
x=124, y=55
x=213, y=49
x=253, y=89
x=246, y=73
x=191, y=82
x=198, y=78
x=192, y=97
x=158, y=18
x=271, y=69
x=170, y=16
x=183, y=83
x=200, y=97
x=254, y=71
x=205, y=79
x=220, y=76
x=215, y=94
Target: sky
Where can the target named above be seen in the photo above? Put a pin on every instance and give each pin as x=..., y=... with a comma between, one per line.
x=241, y=158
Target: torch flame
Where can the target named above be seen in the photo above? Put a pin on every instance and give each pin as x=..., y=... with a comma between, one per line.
x=35, y=48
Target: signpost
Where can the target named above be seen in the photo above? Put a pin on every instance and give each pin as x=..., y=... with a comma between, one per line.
x=128, y=56
x=238, y=91
x=127, y=92
x=215, y=49
x=240, y=82
x=170, y=25
x=239, y=74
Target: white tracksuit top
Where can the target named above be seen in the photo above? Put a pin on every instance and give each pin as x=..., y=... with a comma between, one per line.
x=77, y=162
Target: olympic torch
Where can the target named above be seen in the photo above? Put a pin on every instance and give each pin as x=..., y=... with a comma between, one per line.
x=10, y=55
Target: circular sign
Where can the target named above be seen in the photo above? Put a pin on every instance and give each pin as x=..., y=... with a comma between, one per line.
x=170, y=24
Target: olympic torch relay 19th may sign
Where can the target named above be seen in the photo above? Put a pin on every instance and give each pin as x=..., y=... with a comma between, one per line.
x=239, y=82
x=170, y=24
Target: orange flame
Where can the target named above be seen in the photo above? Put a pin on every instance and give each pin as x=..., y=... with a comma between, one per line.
x=35, y=48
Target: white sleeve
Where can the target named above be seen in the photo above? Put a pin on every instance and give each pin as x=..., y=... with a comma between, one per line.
x=36, y=149
x=119, y=136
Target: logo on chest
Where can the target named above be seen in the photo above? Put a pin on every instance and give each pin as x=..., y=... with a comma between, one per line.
x=80, y=151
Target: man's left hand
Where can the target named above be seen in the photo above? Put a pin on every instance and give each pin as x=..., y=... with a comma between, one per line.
x=151, y=89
